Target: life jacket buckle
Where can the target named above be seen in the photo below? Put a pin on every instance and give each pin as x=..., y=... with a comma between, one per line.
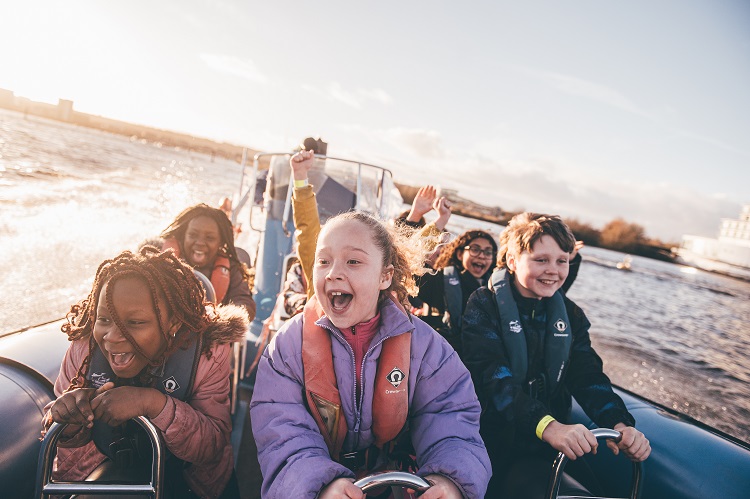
x=360, y=460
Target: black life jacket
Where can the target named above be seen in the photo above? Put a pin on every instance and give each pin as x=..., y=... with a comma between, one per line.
x=174, y=379
x=453, y=300
x=557, y=339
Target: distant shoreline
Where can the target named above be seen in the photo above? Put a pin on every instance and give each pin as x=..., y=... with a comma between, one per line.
x=63, y=111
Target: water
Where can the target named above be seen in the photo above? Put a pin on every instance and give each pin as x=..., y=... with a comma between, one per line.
x=71, y=197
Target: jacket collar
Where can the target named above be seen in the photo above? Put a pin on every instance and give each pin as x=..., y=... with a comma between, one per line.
x=392, y=322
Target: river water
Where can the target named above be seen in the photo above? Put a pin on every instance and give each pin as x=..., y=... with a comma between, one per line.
x=71, y=197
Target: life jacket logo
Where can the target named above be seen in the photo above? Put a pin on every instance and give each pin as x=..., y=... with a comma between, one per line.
x=395, y=377
x=560, y=325
x=515, y=326
x=98, y=379
x=170, y=384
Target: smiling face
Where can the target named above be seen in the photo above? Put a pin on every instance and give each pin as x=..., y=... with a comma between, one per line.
x=542, y=270
x=132, y=302
x=202, y=241
x=477, y=265
x=349, y=274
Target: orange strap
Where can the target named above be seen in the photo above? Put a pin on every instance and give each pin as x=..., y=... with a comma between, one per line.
x=220, y=274
x=390, y=401
x=220, y=277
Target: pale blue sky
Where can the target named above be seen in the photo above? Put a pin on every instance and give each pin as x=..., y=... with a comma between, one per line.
x=591, y=109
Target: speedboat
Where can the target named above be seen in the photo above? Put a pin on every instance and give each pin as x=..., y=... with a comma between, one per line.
x=690, y=460
x=625, y=263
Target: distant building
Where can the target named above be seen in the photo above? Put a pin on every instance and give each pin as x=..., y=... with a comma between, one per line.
x=64, y=109
x=729, y=254
x=7, y=98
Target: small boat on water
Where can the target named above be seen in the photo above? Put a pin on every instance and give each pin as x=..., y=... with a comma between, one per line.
x=625, y=263
x=689, y=460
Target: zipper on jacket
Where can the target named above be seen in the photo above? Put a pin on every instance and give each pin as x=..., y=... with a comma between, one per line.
x=358, y=402
x=357, y=416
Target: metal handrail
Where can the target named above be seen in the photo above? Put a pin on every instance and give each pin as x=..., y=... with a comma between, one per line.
x=557, y=469
x=393, y=479
x=45, y=486
x=256, y=158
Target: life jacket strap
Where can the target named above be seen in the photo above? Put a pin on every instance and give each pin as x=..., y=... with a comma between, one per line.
x=219, y=275
x=391, y=396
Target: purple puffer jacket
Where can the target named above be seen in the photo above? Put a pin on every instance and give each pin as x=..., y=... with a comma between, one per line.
x=443, y=410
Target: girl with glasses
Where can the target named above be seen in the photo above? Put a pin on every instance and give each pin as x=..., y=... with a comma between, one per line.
x=464, y=265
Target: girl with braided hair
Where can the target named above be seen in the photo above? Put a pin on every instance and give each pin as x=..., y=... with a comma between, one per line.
x=145, y=342
x=203, y=236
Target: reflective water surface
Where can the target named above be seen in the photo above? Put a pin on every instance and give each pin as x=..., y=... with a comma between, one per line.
x=71, y=197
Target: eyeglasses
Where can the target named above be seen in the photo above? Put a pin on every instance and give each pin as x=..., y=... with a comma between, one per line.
x=476, y=251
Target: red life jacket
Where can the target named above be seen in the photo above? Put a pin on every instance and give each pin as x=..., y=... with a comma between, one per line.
x=390, y=404
x=220, y=274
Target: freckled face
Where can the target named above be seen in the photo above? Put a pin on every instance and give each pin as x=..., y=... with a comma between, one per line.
x=541, y=271
x=131, y=300
x=477, y=265
x=348, y=274
x=202, y=242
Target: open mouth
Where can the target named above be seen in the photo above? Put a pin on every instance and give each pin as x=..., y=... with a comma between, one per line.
x=120, y=360
x=339, y=300
x=198, y=257
x=478, y=267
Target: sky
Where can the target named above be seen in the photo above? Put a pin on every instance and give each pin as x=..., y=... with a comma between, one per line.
x=590, y=109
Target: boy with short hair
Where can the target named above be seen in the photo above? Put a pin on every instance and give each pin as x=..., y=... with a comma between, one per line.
x=528, y=349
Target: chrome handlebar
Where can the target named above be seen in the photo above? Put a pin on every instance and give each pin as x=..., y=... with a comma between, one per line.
x=557, y=468
x=45, y=486
x=391, y=479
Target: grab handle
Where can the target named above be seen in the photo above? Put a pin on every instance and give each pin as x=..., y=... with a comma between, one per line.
x=45, y=486
x=557, y=468
x=393, y=479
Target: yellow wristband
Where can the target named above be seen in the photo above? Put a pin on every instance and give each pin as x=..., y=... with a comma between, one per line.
x=299, y=184
x=543, y=423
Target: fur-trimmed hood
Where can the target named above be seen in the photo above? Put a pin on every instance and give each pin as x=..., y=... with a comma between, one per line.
x=230, y=324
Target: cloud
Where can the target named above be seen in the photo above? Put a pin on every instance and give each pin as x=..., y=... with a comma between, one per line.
x=426, y=144
x=233, y=65
x=666, y=211
x=355, y=99
x=375, y=94
x=336, y=92
x=589, y=90
x=712, y=142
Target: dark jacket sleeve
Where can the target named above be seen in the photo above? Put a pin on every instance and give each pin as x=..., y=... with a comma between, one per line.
x=575, y=265
x=486, y=358
x=239, y=292
x=585, y=376
x=431, y=289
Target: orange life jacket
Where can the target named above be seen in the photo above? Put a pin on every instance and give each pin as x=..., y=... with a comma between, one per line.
x=220, y=274
x=390, y=404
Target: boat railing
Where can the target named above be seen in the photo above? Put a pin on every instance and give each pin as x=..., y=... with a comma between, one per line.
x=46, y=487
x=249, y=179
x=558, y=466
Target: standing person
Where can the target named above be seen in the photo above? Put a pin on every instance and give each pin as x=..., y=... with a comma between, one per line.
x=463, y=265
x=144, y=344
x=334, y=409
x=528, y=349
x=204, y=238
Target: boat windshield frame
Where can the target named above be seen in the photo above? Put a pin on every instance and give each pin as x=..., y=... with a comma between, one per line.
x=248, y=181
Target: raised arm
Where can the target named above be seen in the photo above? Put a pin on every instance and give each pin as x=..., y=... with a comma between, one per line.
x=306, y=218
